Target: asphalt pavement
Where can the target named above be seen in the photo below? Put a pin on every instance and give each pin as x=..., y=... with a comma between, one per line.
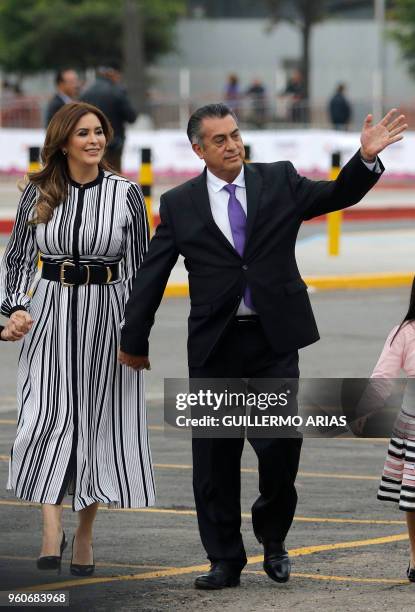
x=349, y=551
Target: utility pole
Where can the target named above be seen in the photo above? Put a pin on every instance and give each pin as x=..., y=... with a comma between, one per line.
x=379, y=72
x=134, y=53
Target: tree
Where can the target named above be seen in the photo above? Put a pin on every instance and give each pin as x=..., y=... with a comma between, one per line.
x=303, y=14
x=134, y=52
x=404, y=15
x=38, y=35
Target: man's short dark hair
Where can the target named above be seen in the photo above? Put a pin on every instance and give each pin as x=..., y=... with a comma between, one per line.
x=219, y=110
x=59, y=77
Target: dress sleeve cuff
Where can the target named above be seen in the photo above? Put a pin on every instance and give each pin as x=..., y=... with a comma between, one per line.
x=16, y=308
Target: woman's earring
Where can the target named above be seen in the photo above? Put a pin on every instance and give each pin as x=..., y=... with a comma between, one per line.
x=64, y=151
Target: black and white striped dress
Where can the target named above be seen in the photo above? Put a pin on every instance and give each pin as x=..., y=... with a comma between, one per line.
x=82, y=423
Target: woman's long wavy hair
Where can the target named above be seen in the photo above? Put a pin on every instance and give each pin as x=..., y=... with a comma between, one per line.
x=53, y=179
x=410, y=315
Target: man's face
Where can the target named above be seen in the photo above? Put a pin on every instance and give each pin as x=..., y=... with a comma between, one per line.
x=114, y=75
x=222, y=148
x=70, y=83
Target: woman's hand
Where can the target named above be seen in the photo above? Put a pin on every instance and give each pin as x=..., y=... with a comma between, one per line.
x=18, y=326
x=21, y=321
x=358, y=425
x=9, y=333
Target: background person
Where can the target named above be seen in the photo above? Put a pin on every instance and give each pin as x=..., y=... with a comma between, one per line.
x=67, y=90
x=236, y=226
x=340, y=109
x=258, y=106
x=108, y=95
x=82, y=420
x=233, y=93
x=295, y=93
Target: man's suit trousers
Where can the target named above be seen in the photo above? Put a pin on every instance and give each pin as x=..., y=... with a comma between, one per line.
x=244, y=352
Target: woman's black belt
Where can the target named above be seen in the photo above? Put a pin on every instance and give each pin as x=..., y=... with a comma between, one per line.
x=70, y=274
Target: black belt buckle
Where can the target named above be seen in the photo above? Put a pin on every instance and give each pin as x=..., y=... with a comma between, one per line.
x=63, y=267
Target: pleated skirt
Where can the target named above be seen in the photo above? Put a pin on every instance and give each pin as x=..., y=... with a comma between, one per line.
x=82, y=423
x=398, y=476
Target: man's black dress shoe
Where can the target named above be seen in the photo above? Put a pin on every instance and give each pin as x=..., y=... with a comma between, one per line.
x=53, y=562
x=221, y=574
x=410, y=572
x=277, y=564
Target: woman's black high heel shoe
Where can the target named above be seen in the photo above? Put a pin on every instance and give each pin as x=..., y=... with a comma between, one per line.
x=81, y=570
x=410, y=572
x=52, y=562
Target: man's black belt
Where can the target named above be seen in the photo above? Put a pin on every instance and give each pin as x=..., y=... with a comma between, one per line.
x=70, y=274
x=246, y=319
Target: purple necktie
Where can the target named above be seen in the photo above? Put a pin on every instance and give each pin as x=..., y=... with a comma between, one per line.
x=237, y=220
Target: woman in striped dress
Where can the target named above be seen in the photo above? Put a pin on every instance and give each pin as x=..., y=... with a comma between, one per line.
x=398, y=477
x=82, y=422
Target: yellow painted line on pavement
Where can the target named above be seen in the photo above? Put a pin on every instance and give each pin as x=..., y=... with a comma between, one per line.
x=256, y=572
x=337, y=476
x=162, y=428
x=24, y=504
x=312, y=519
x=14, y=422
x=180, y=571
x=247, y=515
x=376, y=280
x=174, y=466
x=120, y=565
x=340, y=578
x=308, y=550
x=65, y=584
x=353, y=439
x=179, y=466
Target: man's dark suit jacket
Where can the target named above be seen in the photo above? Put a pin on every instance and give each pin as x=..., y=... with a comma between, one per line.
x=278, y=201
x=112, y=99
x=53, y=106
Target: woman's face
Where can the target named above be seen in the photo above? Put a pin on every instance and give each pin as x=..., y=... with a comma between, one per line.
x=86, y=144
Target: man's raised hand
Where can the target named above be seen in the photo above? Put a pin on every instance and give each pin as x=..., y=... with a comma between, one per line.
x=375, y=138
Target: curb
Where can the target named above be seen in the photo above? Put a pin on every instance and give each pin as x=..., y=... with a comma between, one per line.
x=353, y=214
x=6, y=226
x=381, y=280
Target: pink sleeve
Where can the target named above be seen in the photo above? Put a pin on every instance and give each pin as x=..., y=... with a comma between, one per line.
x=391, y=359
x=386, y=370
